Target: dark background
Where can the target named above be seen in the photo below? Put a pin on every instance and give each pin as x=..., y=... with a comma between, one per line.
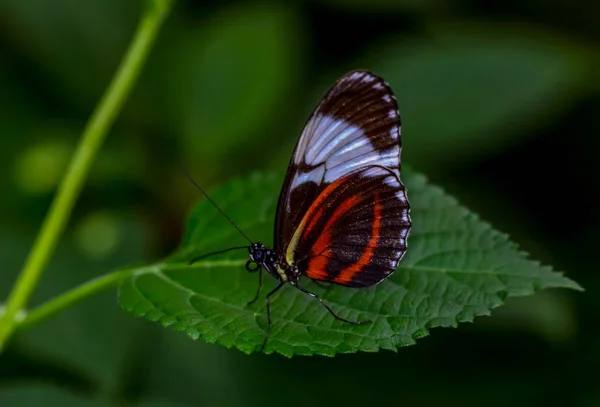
x=499, y=105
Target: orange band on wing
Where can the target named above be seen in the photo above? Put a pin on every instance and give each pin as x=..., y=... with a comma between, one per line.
x=346, y=275
x=313, y=213
x=312, y=216
x=317, y=266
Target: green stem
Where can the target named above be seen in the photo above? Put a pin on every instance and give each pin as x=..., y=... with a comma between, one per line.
x=91, y=140
x=70, y=298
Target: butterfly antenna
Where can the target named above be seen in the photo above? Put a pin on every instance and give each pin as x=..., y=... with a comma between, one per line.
x=195, y=259
x=187, y=174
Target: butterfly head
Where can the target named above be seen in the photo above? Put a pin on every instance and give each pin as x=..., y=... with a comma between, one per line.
x=259, y=255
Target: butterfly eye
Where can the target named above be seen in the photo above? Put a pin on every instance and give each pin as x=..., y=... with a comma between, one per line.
x=252, y=266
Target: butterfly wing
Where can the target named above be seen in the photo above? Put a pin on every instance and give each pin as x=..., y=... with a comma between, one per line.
x=343, y=215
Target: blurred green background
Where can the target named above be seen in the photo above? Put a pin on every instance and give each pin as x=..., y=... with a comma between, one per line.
x=499, y=106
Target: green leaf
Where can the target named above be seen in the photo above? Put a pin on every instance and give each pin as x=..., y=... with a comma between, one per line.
x=93, y=338
x=383, y=6
x=167, y=367
x=457, y=267
x=70, y=42
x=41, y=395
x=228, y=76
x=36, y=395
x=465, y=91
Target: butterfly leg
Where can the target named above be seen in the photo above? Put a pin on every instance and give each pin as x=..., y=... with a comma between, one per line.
x=268, y=300
x=259, y=287
x=295, y=284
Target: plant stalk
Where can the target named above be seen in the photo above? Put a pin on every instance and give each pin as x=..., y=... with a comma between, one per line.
x=69, y=298
x=93, y=135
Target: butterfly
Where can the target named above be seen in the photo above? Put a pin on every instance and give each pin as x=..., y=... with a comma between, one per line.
x=343, y=216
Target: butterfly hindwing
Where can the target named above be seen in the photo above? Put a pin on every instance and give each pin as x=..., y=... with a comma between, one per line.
x=357, y=234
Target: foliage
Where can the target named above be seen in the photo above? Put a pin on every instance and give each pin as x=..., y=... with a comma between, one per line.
x=498, y=102
x=457, y=267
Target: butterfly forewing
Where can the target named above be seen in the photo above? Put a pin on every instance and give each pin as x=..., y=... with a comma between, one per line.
x=343, y=215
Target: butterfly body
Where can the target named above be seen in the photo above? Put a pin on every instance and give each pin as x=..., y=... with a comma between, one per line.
x=267, y=259
x=286, y=273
